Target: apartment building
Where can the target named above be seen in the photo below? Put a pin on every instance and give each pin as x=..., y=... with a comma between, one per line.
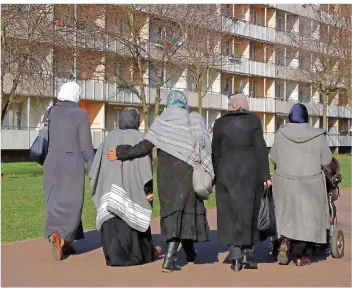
x=254, y=60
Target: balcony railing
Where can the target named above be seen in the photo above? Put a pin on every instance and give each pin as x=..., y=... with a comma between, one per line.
x=23, y=139
x=249, y=30
x=242, y=65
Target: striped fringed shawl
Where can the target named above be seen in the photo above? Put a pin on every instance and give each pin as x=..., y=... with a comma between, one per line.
x=118, y=187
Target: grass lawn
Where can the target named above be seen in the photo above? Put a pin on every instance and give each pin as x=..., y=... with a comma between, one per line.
x=23, y=202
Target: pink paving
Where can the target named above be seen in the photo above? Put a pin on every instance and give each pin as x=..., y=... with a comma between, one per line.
x=29, y=263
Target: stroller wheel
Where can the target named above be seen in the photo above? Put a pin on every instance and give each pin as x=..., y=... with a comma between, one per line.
x=337, y=244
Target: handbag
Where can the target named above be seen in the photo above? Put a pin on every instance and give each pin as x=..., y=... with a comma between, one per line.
x=201, y=179
x=40, y=147
x=266, y=215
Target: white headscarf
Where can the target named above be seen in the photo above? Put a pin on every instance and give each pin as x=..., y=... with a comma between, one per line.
x=69, y=91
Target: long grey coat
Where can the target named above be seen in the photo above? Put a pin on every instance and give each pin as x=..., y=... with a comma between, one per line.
x=69, y=135
x=299, y=153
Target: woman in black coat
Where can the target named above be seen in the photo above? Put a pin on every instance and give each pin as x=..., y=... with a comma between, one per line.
x=241, y=165
x=182, y=215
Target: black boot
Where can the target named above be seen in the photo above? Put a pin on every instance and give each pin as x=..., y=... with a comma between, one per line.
x=188, y=247
x=169, y=264
x=248, y=261
x=236, y=256
x=237, y=265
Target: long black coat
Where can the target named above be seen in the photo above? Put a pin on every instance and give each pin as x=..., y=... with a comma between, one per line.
x=182, y=214
x=241, y=164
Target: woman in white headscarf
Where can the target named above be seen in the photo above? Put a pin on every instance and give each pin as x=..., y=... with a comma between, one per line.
x=70, y=147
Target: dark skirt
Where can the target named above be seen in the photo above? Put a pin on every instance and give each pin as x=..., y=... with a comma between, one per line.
x=182, y=214
x=124, y=246
x=185, y=227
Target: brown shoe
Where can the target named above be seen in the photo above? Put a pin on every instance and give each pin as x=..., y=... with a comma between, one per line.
x=283, y=252
x=67, y=248
x=158, y=249
x=303, y=261
x=56, y=246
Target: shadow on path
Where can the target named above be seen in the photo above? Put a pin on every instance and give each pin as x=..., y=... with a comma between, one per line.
x=208, y=252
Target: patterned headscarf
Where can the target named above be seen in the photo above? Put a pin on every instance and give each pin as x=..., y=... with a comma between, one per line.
x=177, y=99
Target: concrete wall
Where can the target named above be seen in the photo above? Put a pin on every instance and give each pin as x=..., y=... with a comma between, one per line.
x=270, y=88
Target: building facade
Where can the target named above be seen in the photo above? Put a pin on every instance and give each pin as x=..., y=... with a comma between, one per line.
x=254, y=60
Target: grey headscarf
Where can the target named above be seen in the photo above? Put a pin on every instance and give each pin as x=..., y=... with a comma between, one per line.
x=129, y=119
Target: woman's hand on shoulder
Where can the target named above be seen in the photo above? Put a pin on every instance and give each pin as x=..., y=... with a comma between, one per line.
x=111, y=155
x=267, y=184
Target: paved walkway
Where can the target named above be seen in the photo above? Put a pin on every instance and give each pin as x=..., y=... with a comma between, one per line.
x=29, y=263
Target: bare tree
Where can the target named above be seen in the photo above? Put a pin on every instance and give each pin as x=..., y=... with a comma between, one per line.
x=164, y=51
x=26, y=42
x=201, y=27
x=323, y=51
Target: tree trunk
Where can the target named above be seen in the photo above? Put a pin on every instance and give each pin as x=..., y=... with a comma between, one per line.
x=158, y=93
x=324, y=97
x=145, y=108
x=200, y=99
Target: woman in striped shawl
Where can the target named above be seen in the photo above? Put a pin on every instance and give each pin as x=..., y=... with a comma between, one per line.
x=176, y=133
x=122, y=194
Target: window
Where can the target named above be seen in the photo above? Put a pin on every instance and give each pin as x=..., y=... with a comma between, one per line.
x=252, y=53
x=121, y=27
x=253, y=17
x=280, y=122
x=119, y=72
x=228, y=50
x=227, y=89
x=279, y=91
x=252, y=88
x=228, y=10
x=116, y=118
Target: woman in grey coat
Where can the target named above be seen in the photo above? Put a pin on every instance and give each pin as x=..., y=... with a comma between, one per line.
x=70, y=146
x=301, y=205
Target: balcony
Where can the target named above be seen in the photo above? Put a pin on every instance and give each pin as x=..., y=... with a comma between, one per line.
x=345, y=141
x=262, y=69
x=314, y=109
x=261, y=104
x=291, y=73
x=104, y=91
x=31, y=85
x=283, y=106
x=249, y=30
x=23, y=139
x=345, y=112
x=210, y=100
x=299, y=9
x=236, y=65
x=245, y=66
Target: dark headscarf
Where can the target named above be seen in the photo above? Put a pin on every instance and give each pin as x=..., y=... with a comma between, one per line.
x=129, y=119
x=298, y=114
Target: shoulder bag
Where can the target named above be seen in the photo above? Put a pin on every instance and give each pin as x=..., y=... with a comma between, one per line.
x=202, y=181
x=40, y=147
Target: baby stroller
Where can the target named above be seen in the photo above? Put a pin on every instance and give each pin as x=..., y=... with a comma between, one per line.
x=335, y=243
